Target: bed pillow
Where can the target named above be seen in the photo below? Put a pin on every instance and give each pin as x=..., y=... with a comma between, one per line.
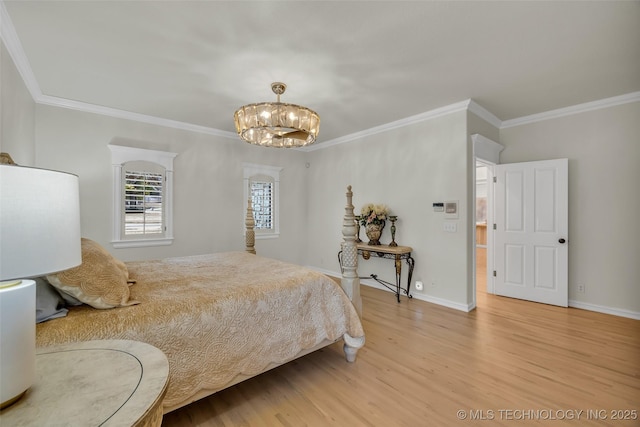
x=100, y=281
x=49, y=303
x=69, y=300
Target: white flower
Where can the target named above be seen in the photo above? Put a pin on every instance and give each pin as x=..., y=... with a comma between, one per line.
x=373, y=214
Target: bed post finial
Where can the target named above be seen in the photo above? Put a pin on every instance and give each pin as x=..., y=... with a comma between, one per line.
x=250, y=235
x=350, y=281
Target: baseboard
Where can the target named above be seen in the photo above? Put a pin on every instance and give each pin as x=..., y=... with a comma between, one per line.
x=444, y=302
x=468, y=307
x=373, y=284
x=606, y=310
x=427, y=298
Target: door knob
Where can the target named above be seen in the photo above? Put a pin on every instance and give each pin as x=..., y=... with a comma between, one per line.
x=562, y=241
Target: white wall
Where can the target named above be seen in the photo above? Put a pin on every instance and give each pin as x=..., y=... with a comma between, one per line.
x=603, y=148
x=17, y=113
x=208, y=205
x=407, y=169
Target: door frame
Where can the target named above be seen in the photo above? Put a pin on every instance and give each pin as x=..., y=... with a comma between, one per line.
x=490, y=220
x=485, y=151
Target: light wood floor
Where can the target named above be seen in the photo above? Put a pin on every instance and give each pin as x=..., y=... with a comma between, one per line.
x=509, y=362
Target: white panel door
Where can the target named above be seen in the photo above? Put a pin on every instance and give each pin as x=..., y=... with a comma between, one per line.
x=531, y=231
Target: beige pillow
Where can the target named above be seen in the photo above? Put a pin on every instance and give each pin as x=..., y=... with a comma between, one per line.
x=100, y=281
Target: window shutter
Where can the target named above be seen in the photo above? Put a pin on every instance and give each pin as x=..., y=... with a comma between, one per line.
x=143, y=202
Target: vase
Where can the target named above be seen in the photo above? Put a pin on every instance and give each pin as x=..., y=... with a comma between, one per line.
x=374, y=231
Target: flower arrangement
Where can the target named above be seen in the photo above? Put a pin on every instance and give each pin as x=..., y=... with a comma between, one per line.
x=373, y=214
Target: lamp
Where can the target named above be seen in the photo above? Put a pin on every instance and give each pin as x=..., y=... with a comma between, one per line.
x=276, y=124
x=39, y=234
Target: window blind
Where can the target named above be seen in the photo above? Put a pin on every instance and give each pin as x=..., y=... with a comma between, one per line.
x=143, y=203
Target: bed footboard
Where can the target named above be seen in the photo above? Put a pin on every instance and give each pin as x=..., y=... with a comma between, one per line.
x=250, y=233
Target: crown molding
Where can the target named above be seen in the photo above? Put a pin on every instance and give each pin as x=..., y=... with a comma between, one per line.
x=128, y=115
x=484, y=114
x=14, y=47
x=574, y=109
x=428, y=115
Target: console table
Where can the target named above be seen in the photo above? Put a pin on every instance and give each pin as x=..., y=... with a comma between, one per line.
x=396, y=253
x=91, y=383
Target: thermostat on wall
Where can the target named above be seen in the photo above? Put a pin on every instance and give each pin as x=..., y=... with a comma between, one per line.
x=451, y=209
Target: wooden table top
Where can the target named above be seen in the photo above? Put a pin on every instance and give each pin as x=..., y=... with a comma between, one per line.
x=398, y=250
x=105, y=382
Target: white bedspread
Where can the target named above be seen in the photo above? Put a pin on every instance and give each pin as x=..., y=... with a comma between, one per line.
x=217, y=316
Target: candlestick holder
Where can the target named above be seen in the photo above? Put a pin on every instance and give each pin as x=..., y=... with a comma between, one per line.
x=393, y=219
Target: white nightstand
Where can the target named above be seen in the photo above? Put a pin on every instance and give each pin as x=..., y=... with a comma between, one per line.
x=94, y=383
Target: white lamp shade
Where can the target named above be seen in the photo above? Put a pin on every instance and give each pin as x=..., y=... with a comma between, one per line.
x=39, y=222
x=39, y=234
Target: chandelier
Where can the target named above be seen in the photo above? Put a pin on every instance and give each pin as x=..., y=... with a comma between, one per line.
x=276, y=124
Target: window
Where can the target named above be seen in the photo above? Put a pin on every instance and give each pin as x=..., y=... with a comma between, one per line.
x=143, y=194
x=262, y=185
x=142, y=197
x=262, y=203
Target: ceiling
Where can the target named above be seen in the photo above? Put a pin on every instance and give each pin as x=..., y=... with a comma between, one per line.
x=359, y=64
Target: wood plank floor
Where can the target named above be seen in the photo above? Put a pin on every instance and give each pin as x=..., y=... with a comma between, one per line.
x=508, y=362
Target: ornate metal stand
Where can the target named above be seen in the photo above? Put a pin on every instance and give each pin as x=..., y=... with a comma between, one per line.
x=397, y=253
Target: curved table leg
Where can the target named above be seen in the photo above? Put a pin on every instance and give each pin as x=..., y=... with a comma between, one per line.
x=398, y=276
x=411, y=263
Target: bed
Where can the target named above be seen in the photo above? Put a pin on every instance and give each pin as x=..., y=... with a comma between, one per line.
x=225, y=317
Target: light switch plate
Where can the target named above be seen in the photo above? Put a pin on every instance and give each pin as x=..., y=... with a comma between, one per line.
x=450, y=227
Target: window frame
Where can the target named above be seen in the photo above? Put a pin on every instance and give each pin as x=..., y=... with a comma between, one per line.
x=250, y=171
x=120, y=156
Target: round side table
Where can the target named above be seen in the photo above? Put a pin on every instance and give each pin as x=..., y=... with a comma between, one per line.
x=94, y=383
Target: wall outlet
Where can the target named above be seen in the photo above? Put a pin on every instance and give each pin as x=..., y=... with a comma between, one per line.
x=419, y=285
x=581, y=288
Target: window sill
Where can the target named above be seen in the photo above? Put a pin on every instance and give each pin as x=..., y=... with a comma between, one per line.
x=267, y=236
x=118, y=244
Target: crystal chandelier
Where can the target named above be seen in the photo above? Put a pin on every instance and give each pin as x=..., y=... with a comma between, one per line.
x=276, y=124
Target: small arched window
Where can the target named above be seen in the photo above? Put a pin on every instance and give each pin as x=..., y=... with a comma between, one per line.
x=262, y=185
x=142, y=197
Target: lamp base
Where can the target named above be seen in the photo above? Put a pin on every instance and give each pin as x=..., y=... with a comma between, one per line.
x=17, y=340
x=9, y=283
x=11, y=401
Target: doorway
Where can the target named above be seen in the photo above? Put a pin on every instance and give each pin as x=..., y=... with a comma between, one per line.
x=483, y=217
x=481, y=228
x=486, y=155
x=528, y=249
